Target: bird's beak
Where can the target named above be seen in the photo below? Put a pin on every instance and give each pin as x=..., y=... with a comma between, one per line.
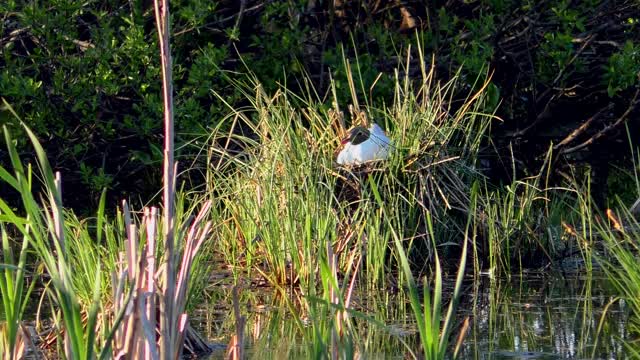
x=345, y=140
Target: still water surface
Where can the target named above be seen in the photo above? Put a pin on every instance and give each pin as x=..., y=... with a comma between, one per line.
x=538, y=315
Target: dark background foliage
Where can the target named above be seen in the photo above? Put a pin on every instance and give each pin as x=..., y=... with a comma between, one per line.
x=85, y=75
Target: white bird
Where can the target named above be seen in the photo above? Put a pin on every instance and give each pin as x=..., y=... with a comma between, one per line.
x=362, y=145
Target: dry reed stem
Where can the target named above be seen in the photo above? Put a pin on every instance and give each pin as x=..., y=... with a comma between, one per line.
x=22, y=343
x=614, y=220
x=461, y=336
x=137, y=337
x=167, y=317
x=150, y=310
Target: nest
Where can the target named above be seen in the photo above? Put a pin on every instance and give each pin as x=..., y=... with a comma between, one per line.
x=441, y=182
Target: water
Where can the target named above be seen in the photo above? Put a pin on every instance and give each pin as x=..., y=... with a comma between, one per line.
x=533, y=316
x=541, y=316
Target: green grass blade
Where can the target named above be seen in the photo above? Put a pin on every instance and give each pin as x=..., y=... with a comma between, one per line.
x=100, y=216
x=6, y=177
x=93, y=316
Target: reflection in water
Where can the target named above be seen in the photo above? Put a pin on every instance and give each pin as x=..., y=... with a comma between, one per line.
x=533, y=316
x=548, y=317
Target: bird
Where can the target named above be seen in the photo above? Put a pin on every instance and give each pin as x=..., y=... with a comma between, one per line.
x=362, y=145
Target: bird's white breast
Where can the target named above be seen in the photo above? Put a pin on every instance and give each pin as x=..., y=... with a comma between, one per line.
x=375, y=148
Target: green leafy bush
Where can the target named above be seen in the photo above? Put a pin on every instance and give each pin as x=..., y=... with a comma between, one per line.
x=623, y=70
x=84, y=75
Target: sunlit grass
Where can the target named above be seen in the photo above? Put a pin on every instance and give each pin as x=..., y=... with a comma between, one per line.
x=282, y=196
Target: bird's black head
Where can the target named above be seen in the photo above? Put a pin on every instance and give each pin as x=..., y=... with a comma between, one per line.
x=357, y=135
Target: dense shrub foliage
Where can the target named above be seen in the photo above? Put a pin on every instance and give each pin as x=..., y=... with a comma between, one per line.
x=85, y=75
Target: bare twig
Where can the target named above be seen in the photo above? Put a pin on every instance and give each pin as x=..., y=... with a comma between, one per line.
x=222, y=22
x=607, y=129
x=575, y=133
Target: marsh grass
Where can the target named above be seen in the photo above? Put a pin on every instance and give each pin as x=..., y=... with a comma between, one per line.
x=288, y=218
x=612, y=239
x=81, y=258
x=433, y=327
x=620, y=233
x=292, y=217
x=282, y=194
